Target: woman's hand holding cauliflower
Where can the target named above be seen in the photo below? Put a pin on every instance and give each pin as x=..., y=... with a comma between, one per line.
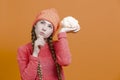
x=69, y=24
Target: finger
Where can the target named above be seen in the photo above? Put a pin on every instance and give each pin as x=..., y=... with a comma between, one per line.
x=78, y=28
x=41, y=41
x=40, y=36
x=71, y=29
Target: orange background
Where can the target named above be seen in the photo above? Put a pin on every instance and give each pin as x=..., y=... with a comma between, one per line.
x=95, y=48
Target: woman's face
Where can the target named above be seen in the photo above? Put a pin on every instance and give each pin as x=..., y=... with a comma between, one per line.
x=43, y=28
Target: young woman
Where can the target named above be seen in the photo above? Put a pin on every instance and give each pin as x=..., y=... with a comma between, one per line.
x=42, y=59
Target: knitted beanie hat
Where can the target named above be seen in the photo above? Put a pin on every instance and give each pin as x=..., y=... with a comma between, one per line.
x=50, y=15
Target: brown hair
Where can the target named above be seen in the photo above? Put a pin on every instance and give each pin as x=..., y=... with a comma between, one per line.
x=53, y=54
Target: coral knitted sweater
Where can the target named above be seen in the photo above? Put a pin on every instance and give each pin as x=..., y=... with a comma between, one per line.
x=28, y=63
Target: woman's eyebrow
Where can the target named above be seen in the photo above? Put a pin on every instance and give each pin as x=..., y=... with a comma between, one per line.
x=43, y=20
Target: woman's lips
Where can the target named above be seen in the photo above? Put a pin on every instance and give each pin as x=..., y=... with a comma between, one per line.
x=42, y=33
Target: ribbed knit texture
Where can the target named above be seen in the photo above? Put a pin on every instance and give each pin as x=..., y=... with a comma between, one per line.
x=28, y=63
x=50, y=15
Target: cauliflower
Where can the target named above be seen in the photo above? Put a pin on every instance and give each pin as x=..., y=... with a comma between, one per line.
x=70, y=22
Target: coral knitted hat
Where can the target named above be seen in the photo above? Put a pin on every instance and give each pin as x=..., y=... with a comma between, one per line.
x=50, y=15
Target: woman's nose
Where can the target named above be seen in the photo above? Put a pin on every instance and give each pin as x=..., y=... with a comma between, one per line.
x=43, y=29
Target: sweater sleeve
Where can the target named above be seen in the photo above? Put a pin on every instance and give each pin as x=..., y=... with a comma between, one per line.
x=27, y=64
x=62, y=50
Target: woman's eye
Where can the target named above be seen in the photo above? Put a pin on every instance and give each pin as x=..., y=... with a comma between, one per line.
x=42, y=22
x=49, y=26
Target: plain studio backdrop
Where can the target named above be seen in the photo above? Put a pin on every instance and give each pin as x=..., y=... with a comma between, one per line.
x=95, y=48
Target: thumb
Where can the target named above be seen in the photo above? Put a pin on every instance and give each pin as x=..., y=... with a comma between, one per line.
x=40, y=36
